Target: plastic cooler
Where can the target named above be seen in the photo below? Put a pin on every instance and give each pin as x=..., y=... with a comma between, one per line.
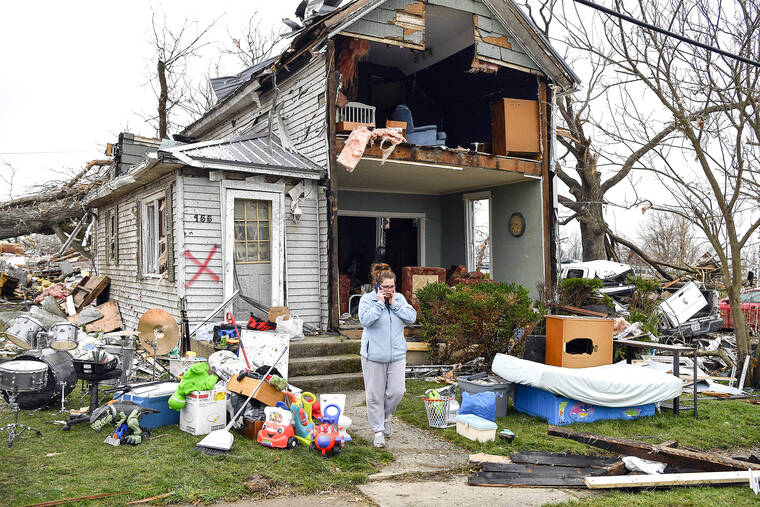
x=156, y=397
x=483, y=382
x=476, y=428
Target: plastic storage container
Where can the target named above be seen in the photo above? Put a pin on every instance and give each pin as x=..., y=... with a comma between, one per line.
x=562, y=411
x=476, y=428
x=482, y=382
x=155, y=397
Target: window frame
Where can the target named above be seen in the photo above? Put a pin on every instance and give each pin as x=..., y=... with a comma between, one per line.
x=246, y=241
x=147, y=269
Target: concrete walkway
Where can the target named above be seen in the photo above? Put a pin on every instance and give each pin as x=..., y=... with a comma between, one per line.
x=442, y=480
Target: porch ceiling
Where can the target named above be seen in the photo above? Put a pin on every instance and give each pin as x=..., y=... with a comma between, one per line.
x=400, y=176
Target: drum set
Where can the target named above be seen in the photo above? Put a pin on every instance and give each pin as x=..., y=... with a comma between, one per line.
x=48, y=347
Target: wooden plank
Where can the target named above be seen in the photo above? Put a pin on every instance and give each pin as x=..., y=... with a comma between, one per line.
x=654, y=480
x=468, y=158
x=539, y=470
x=85, y=293
x=517, y=481
x=482, y=457
x=111, y=320
x=561, y=459
x=682, y=457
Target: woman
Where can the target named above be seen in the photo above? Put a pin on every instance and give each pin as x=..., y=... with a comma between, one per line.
x=383, y=313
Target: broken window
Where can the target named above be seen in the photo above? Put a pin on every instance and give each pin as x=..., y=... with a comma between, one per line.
x=253, y=220
x=478, y=231
x=154, y=253
x=112, y=236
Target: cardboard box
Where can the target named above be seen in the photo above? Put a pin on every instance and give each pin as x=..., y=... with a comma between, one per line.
x=204, y=411
x=578, y=342
x=276, y=311
x=267, y=394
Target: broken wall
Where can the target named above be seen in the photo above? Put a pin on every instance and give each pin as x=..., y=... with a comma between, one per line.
x=135, y=296
x=303, y=113
x=398, y=22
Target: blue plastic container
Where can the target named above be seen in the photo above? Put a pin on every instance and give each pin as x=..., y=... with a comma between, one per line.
x=155, y=397
x=563, y=411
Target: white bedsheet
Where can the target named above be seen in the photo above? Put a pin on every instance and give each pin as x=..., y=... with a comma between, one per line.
x=614, y=385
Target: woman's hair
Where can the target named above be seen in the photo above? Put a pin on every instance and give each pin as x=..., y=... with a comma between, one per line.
x=381, y=271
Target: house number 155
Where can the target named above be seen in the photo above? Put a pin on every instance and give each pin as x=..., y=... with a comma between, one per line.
x=202, y=218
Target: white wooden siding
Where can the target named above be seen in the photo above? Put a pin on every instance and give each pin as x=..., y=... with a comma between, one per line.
x=134, y=296
x=202, y=197
x=304, y=113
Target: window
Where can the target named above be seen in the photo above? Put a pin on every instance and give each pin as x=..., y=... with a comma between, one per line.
x=154, y=234
x=478, y=231
x=575, y=273
x=112, y=236
x=253, y=220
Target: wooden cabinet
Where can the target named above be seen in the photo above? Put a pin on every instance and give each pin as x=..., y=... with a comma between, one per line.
x=578, y=342
x=515, y=127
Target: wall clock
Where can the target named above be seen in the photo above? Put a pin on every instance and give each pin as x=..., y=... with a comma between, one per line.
x=516, y=224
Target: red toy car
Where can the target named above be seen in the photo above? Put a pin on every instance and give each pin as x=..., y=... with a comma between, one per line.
x=277, y=432
x=750, y=305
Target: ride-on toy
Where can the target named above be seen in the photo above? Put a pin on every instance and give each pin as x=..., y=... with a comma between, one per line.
x=326, y=437
x=277, y=431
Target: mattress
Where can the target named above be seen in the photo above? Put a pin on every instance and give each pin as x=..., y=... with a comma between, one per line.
x=612, y=385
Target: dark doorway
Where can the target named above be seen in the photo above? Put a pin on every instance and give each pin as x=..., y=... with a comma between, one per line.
x=356, y=247
x=401, y=244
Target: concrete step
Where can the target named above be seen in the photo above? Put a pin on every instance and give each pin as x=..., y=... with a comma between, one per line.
x=323, y=346
x=336, y=383
x=327, y=365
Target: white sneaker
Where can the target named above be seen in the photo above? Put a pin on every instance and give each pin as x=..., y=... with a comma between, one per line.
x=387, y=430
x=379, y=439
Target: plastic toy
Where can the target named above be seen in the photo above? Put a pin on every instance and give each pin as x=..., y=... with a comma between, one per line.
x=303, y=427
x=277, y=432
x=326, y=437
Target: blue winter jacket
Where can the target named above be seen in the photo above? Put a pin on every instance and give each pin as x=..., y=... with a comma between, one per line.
x=383, y=336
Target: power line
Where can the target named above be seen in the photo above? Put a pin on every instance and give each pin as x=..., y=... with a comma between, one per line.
x=667, y=32
x=47, y=152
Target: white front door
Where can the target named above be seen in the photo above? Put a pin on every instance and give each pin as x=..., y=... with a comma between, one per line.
x=253, y=248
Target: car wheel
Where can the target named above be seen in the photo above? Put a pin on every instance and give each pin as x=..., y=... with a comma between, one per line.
x=292, y=442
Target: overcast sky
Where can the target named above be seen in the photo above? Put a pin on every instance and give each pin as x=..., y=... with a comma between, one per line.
x=75, y=75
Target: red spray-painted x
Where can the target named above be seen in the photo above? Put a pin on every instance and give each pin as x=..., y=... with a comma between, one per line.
x=203, y=266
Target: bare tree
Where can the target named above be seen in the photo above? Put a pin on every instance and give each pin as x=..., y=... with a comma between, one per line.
x=173, y=48
x=7, y=174
x=711, y=101
x=255, y=45
x=670, y=239
x=596, y=166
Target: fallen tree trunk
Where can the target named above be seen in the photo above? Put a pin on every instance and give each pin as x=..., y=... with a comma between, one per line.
x=40, y=215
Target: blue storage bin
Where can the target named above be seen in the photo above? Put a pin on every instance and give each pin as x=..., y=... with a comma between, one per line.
x=155, y=397
x=563, y=411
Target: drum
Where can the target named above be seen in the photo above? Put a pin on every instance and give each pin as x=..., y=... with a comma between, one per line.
x=60, y=368
x=64, y=336
x=20, y=376
x=23, y=331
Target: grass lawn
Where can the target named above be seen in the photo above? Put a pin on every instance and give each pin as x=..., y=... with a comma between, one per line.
x=721, y=426
x=87, y=466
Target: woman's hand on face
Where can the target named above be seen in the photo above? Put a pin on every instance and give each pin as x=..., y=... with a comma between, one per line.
x=392, y=296
x=380, y=296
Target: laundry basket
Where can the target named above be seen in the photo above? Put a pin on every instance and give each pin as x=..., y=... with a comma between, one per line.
x=438, y=412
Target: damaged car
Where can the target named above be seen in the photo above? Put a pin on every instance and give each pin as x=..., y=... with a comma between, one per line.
x=686, y=310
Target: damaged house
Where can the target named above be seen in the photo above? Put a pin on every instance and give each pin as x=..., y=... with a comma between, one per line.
x=251, y=196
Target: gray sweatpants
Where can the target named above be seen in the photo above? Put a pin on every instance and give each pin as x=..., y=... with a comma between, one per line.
x=384, y=386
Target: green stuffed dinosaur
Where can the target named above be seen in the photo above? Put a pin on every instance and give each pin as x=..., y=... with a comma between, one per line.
x=118, y=413
x=196, y=378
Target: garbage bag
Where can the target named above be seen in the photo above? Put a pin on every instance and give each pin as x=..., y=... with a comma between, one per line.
x=480, y=404
x=292, y=327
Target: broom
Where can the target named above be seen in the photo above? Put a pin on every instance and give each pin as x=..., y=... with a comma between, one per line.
x=220, y=441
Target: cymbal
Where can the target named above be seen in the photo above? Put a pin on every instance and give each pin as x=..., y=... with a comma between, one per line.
x=159, y=326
